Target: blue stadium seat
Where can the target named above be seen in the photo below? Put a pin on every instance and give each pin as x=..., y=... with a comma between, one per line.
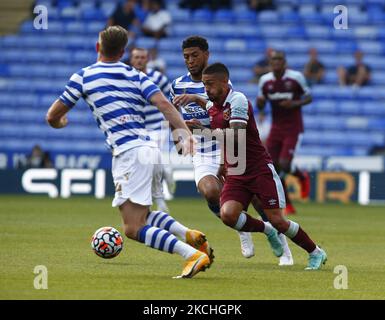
x=311, y=18
x=148, y=42
x=202, y=15
x=224, y=15
x=267, y=16
x=76, y=27
x=181, y=16
x=246, y=16
x=235, y=45
x=70, y=13
x=350, y=107
x=94, y=14
x=324, y=107
x=370, y=47
x=378, y=77
x=317, y=31
x=289, y=17
x=374, y=108
x=311, y=122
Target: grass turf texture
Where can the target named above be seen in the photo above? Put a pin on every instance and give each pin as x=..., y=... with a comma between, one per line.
x=56, y=233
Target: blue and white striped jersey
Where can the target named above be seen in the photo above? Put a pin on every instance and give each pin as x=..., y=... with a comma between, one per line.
x=117, y=95
x=186, y=85
x=153, y=116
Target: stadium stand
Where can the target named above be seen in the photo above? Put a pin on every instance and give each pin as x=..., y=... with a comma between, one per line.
x=35, y=65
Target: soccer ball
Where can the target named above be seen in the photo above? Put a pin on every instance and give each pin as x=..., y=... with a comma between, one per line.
x=107, y=242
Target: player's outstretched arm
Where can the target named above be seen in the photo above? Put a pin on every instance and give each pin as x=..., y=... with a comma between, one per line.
x=56, y=115
x=176, y=121
x=185, y=99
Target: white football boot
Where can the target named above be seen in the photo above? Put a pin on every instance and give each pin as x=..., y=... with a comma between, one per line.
x=247, y=245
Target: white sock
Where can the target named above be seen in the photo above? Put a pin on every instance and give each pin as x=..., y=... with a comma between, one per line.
x=316, y=250
x=268, y=228
x=183, y=249
x=164, y=221
x=241, y=221
x=285, y=245
x=164, y=241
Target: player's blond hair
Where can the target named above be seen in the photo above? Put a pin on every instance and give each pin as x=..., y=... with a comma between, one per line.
x=113, y=41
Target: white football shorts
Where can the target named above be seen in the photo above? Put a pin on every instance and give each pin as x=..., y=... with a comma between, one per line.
x=133, y=172
x=206, y=164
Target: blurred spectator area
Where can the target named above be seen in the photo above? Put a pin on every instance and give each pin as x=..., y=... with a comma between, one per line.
x=36, y=64
x=12, y=13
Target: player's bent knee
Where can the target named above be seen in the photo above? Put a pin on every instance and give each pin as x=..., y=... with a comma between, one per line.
x=210, y=188
x=229, y=218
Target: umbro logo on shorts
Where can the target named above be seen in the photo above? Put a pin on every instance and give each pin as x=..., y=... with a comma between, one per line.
x=272, y=202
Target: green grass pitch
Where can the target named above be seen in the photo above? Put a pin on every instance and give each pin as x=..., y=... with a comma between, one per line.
x=56, y=233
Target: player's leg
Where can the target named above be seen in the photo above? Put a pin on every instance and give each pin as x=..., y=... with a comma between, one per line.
x=209, y=186
x=292, y=230
x=287, y=258
x=157, y=188
x=133, y=180
x=274, y=145
x=234, y=199
x=194, y=238
x=290, y=145
x=273, y=200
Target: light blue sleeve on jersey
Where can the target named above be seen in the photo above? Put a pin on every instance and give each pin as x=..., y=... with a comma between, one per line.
x=303, y=83
x=239, y=108
x=73, y=90
x=147, y=87
x=261, y=82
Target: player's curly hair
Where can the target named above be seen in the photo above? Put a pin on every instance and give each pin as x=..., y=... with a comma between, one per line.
x=195, y=41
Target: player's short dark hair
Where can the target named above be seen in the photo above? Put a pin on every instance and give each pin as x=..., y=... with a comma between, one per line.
x=217, y=68
x=195, y=41
x=280, y=52
x=113, y=40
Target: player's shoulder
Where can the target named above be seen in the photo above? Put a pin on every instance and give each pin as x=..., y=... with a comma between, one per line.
x=182, y=80
x=153, y=73
x=294, y=74
x=266, y=77
x=237, y=97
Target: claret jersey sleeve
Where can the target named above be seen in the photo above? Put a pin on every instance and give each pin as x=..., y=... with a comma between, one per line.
x=239, y=107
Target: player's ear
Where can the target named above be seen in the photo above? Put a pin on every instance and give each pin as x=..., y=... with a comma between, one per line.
x=97, y=47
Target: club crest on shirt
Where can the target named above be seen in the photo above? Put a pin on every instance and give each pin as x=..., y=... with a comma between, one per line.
x=288, y=85
x=227, y=112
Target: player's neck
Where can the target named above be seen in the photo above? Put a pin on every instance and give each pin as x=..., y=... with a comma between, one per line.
x=279, y=74
x=220, y=101
x=108, y=59
x=196, y=77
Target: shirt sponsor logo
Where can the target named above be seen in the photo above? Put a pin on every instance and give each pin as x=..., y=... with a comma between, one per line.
x=280, y=96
